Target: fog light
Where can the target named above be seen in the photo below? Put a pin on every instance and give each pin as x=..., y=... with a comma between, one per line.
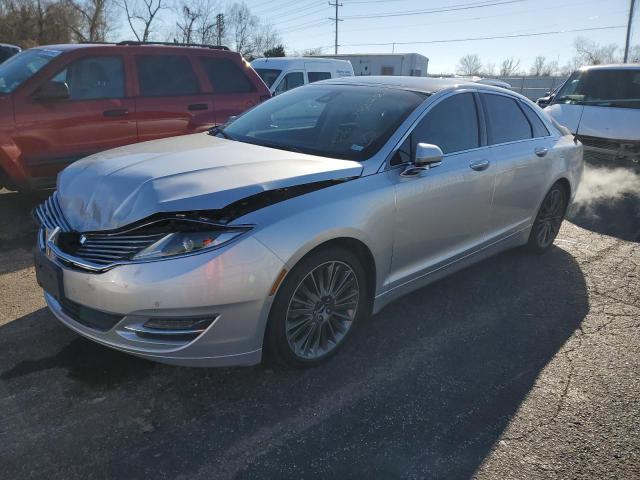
x=190, y=325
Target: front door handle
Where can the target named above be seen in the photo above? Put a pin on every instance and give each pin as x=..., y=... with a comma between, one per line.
x=118, y=112
x=198, y=106
x=541, y=151
x=480, y=165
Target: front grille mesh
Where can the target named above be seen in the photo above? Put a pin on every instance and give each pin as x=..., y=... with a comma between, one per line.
x=97, y=248
x=49, y=214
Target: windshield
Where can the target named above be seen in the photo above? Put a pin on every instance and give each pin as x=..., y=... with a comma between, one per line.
x=602, y=88
x=339, y=121
x=22, y=66
x=268, y=75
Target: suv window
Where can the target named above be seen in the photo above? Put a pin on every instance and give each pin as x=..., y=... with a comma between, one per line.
x=290, y=80
x=452, y=125
x=317, y=76
x=93, y=78
x=602, y=88
x=539, y=128
x=505, y=120
x=225, y=76
x=166, y=75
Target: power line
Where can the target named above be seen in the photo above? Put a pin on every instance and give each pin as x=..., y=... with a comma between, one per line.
x=497, y=37
x=453, y=8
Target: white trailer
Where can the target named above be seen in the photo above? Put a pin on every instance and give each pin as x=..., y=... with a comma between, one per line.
x=365, y=64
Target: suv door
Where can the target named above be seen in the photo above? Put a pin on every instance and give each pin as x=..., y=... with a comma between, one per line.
x=521, y=147
x=233, y=91
x=96, y=116
x=443, y=212
x=171, y=100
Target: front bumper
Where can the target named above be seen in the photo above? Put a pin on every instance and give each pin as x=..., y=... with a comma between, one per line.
x=231, y=286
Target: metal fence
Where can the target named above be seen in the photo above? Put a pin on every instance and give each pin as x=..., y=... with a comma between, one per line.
x=533, y=87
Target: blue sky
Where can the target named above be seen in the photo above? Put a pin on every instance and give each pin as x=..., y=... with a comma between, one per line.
x=304, y=24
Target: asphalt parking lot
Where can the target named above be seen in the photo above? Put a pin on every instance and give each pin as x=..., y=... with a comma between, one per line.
x=520, y=367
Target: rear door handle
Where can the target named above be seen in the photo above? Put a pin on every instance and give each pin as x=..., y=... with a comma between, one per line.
x=198, y=106
x=118, y=112
x=541, y=151
x=480, y=165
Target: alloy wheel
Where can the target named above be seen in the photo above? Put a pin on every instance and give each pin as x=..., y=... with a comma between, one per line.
x=322, y=310
x=550, y=218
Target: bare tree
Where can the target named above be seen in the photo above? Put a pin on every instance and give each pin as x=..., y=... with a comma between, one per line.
x=185, y=26
x=591, y=53
x=489, y=69
x=469, y=65
x=248, y=35
x=311, y=52
x=509, y=66
x=634, y=54
x=538, y=66
x=141, y=15
x=93, y=19
x=29, y=23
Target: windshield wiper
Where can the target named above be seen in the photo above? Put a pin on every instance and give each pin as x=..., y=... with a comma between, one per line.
x=219, y=130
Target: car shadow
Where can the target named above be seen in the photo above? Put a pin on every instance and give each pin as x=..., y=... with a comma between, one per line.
x=425, y=388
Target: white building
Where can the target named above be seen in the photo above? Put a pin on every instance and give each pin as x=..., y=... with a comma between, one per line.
x=365, y=64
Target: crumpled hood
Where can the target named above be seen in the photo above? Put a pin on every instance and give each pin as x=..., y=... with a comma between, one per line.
x=112, y=189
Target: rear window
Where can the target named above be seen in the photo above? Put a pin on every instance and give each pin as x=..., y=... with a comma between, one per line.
x=506, y=121
x=539, y=128
x=602, y=88
x=317, y=76
x=225, y=76
x=166, y=75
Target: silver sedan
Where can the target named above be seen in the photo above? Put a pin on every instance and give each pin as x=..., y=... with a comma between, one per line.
x=275, y=235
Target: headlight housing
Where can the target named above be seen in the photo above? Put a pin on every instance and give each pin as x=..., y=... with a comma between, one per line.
x=202, y=237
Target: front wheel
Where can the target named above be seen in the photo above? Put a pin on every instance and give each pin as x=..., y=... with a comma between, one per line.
x=316, y=308
x=549, y=219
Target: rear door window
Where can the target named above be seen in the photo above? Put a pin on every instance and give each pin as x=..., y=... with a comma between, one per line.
x=166, y=75
x=539, y=128
x=94, y=78
x=506, y=122
x=317, y=76
x=452, y=125
x=225, y=76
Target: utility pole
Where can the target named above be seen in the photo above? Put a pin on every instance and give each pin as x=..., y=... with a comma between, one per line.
x=626, y=45
x=219, y=28
x=336, y=19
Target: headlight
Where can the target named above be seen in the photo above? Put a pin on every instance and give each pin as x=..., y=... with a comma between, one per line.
x=184, y=243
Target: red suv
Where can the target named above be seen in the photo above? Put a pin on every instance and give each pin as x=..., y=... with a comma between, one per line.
x=60, y=103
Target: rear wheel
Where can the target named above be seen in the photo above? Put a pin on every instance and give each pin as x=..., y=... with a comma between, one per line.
x=316, y=308
x=549, y=219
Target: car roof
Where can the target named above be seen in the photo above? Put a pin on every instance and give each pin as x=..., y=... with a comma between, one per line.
x=613, y=66
x=416, y=84
x=283, y=60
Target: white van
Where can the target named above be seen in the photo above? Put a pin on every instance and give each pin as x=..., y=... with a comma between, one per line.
x=601, y=106
x=284, y=73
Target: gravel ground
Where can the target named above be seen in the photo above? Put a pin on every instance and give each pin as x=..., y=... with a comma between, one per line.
x=521, y=367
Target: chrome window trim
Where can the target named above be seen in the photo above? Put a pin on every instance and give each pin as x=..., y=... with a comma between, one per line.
x=421, y=112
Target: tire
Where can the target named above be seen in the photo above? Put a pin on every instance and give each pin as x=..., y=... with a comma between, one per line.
x=548, y=220
x=306, y=328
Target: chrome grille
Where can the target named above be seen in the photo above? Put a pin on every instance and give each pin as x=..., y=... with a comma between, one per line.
x=94, y=248
x=107, y=249
x=49, y=214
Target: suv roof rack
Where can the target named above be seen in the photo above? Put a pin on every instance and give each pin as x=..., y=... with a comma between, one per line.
x=173, y=44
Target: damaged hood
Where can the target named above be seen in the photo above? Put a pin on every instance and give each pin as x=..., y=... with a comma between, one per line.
x=112, y=189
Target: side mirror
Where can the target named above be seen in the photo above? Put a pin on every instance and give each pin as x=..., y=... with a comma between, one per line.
x=53, y=91
x=427, y=155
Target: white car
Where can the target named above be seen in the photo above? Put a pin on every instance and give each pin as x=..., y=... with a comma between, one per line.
x=601, y=106
x=285, y=73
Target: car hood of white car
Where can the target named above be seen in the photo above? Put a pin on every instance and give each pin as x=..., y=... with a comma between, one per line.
x=598, y=121
x=197, y=172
